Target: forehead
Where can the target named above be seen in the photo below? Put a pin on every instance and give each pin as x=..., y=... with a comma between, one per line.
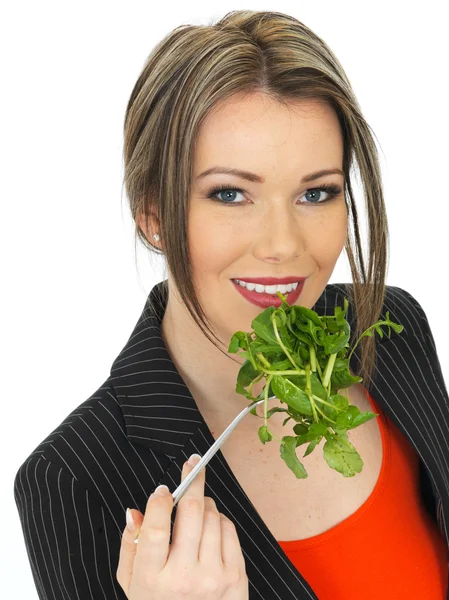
x=257, y=128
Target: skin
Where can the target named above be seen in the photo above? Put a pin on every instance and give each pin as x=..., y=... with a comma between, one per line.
x=275, y=230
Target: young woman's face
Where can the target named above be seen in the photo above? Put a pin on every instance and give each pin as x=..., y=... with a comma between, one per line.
x=276, y=228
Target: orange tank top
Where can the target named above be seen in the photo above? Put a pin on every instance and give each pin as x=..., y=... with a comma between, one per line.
x=390, y=547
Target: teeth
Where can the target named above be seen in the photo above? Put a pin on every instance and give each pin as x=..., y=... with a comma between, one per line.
x=268, y=289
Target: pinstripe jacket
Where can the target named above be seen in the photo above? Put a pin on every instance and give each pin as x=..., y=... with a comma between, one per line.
x=138, y=428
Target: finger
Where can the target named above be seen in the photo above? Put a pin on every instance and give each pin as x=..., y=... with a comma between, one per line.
x=127, y=553
x=188, y=526
x=154, y=539
x=231, y=550
x=210, y=545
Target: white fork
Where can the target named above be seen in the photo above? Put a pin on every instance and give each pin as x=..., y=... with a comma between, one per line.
x=187, y=482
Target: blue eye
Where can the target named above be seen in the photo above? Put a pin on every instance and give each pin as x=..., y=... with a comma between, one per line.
x=332, y=191
x=213, y=193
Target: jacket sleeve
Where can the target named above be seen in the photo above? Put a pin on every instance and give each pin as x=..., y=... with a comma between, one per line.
x=435, y=508
x=427, y=336
x=72, y=542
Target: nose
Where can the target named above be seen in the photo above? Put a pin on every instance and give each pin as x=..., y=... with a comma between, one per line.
x=278, y=236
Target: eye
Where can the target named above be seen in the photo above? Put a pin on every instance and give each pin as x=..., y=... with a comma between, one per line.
x=213, y=193
x=331, y=190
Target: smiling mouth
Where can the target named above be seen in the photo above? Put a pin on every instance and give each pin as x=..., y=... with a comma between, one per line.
x=271, y=289
x=264, y=299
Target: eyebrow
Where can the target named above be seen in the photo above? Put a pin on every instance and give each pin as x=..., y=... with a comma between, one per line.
x=258, y=179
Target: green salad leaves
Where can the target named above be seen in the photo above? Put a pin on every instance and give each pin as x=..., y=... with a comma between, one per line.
x=303, y=359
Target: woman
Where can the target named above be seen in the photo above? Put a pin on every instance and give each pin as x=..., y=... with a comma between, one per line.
x=239, y=141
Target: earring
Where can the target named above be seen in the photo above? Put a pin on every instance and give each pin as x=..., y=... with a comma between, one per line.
x=156, y=237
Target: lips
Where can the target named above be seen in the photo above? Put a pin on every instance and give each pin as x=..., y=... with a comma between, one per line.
x=271, y=280
x=265, y=300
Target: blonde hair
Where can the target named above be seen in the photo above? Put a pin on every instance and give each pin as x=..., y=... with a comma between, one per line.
x=192, y=69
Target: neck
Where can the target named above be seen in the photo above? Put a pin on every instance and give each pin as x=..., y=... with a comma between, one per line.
x=209, y=374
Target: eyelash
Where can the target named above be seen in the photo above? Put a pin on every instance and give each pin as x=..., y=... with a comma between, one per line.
x=332, y=189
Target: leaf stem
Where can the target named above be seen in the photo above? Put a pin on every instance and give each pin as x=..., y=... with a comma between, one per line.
x=254, y=381
x=265, y=404
x=276, y=333
x=310, y=395
x=376, y=325
x=328, y=403
x=263, y=360
x=265, y=409
x=328, y=370
x=325, y=416
x=290, y=372
x=313, y=362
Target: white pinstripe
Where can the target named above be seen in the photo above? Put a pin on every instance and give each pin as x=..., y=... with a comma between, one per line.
x=46, y=536
x=94, y=547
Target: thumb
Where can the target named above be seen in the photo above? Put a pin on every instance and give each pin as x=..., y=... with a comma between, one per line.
x=128, y=548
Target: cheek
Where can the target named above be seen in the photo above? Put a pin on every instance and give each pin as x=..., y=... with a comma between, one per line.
x=328, y=245
x=214, y=242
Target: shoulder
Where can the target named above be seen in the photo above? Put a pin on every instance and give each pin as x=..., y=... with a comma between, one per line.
x=68, y=445
x=401, y=305
x=90, y=452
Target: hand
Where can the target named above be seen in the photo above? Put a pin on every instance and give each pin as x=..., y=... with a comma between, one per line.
x=204, y=561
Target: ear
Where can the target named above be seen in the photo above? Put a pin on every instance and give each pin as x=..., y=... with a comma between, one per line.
x=148, y=222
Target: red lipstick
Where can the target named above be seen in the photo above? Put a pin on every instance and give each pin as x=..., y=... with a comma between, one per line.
x=265, y=300
x=272, y=280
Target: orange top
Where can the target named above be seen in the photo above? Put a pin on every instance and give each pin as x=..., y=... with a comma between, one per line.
x=389, y=548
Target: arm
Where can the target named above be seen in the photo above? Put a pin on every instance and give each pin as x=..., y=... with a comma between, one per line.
x=438, y=380
x=72, y=542
x=423, y=321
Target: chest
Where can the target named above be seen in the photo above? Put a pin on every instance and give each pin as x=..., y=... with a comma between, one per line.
x=295, y=509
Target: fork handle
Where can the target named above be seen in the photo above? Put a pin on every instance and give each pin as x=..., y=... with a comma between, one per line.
x=185, y=484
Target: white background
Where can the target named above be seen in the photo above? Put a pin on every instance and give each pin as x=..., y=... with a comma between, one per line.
x=71, y=291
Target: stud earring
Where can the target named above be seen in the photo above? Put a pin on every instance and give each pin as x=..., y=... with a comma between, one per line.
x=156, y=237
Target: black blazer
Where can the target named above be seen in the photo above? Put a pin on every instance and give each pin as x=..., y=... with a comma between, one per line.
x=136, y=431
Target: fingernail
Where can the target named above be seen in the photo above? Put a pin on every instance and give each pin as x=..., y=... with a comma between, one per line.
x=162, y=490
x=194, y=459
x=130, y=521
